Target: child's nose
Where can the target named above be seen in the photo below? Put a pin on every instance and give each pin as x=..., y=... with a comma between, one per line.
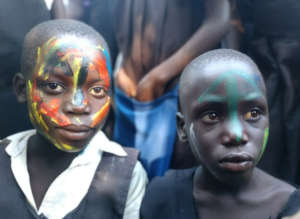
x=232, y=139
x=72, y=108
x=234, y=134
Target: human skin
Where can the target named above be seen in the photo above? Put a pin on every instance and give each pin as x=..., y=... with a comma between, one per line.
x=152, y=84
x=67, y=91
x=226, y=120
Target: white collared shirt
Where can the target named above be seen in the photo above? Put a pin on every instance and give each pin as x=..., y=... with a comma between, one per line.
x=66, y=191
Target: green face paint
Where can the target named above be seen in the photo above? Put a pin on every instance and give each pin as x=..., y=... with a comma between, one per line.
x=266, y=136
x=232, y=96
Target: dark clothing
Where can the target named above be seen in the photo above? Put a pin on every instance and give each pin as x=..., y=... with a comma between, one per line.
x=101, y=18
x=272, y=17
x=278, y=60
x=292, y=207
x=149, y=31
x=105, y=198
x=17, y=17
x=171, y=197
x=273, y=41
x=277, y=17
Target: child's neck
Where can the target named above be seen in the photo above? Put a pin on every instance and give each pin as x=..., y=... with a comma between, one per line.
x=39, y=146
x=203, y=179
x=45, y=162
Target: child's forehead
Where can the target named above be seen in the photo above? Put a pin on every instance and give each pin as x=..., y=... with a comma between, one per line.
x=226, y=80
x=72, y=43
x=224, y=72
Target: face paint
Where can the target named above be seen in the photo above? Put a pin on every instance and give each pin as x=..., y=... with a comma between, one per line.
x=77, y=59
x=235, y=124
x=266, y=136
x=99, y=116
x=194, y=142
x=232, y=97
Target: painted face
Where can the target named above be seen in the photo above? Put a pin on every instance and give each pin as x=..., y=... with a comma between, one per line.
x=68, y=91
x=227, y=120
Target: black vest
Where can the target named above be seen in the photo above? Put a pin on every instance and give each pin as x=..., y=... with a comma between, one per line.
x=106, y=197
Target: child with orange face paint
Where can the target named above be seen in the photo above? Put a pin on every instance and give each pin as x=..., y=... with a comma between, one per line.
x=67, y=168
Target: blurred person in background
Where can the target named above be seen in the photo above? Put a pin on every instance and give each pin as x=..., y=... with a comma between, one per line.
x=17, y=17
x=269, y=32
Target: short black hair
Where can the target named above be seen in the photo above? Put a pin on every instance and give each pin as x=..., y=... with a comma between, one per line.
x=44, y=31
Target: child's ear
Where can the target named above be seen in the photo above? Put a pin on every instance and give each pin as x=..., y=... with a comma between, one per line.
x=19, y=85
x=181, y=127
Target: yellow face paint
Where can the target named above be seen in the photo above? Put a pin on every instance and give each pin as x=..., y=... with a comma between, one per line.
x=70, y=57
x=99, y=116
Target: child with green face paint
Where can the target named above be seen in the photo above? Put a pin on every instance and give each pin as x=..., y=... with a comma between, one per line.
x=224, y=117
x=67, y=167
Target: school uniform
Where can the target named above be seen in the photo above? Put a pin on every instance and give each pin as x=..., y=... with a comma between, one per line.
x=103, y=181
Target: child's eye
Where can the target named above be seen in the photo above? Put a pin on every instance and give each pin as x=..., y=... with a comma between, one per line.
x=98, y=92
x=210, y=117
x=252, y=115
x=52, y=88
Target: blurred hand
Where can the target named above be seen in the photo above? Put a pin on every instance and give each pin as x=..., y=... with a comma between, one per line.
x=151, y=86
x=125, y=83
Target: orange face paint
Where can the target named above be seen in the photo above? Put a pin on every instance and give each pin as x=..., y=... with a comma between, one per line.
x=99, y=116
x=51, y=110
x=72, y=59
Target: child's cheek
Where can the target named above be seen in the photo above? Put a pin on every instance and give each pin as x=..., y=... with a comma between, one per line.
x=98, y=117
x=43, y=109
x=50, y=109
x=265, y=141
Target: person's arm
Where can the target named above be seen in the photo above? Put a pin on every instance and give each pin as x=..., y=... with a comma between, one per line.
x=233, y=39
x=71, y=9
x=208, y=35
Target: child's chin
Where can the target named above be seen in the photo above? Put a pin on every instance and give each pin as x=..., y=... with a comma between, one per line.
x=71, y=148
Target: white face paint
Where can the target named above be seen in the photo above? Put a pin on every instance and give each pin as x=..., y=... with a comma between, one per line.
x=193, y=142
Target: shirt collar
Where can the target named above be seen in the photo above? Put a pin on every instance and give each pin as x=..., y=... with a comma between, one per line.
x=99, y=143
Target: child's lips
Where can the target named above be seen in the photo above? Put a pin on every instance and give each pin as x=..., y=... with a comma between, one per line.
x=236, y=162
x=74, y=132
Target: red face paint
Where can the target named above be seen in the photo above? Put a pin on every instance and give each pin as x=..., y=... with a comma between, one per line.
x=65, y=70
x=100, y=115
x=51, y=110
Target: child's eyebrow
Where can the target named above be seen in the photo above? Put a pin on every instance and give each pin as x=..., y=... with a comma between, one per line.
x=211, y=98
x=253, y=96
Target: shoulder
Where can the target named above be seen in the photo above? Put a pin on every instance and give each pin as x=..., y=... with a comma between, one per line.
x=170, y=181
x=274, y=184
x=292, y=207
x=277, y=191
x=4, y=142
x=161, y=195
